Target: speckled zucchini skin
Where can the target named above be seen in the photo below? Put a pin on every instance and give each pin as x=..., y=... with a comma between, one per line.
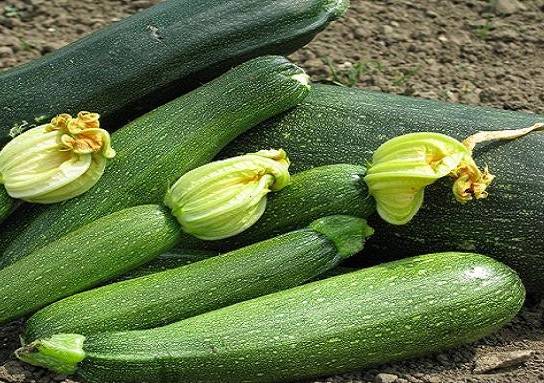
x=169, y=260
x=86, y=257
x=155, y=55
x=336, y=124
x=315, y=193
x=393, y=311
x=155, y=300
x=156, y=149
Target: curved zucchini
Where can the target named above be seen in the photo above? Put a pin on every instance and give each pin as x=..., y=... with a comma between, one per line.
x=86, y=257
x=392, y=311
x=156, y=149
x=149, y=58
x=507, y=225
x=326, y=190
x=162, y=298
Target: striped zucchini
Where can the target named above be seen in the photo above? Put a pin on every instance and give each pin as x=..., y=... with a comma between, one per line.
x=156, y=149
x=91, y=255
x=326, y=190
x=149, y=58
x=392, y=311
x=155, y=300
x=507, y=225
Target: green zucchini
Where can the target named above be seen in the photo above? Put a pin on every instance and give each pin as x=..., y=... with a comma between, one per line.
x=86, y=257
x=507, y=225
x=321, y=185
x=156, y=149
x=155, y=300
x=318, y=192
x=169, y=260
x=388, y=312
x=145, y=60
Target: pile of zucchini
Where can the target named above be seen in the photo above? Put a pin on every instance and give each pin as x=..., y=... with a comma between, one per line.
x=203, y=254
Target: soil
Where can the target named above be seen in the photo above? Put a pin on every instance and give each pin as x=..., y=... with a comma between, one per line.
x=474, y=52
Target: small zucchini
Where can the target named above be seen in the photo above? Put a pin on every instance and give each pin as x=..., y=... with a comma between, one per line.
x=158, y=299
x=393, y=311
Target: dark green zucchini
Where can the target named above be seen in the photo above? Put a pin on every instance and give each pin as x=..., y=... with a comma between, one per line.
x=388, y=312
x=336, y=124
x=155, y=300
x=156, y=149
x=87, y=257
x=147, y=59
x=318, y=192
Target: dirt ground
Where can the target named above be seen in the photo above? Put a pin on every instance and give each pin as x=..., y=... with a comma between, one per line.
x=475, y=52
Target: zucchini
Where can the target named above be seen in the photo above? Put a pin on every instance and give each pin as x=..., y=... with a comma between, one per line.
x=145, y=60
x=169, y=260
x=326, y=190
x=162, y=298
x=156, y=149
x=324, y=185
x=388, y=312
x=507, y=225
x=91, y=255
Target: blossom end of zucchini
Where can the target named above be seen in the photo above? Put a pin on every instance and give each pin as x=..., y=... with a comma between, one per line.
x=224, y=198
x=60, y=353
x=56, y=161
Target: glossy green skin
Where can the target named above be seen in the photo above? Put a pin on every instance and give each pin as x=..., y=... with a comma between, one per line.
x=156, y=149
x=392, y=311
x=508, y=225
x=84, y=258
x=319, y=192
x=170, y=260
x=149, y=58
x=155, y=300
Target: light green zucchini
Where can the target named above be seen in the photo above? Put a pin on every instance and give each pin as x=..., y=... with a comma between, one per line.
x=89, y=256
x=388, y=312
x=320, y=185
x=162, y=298
x=169, y=260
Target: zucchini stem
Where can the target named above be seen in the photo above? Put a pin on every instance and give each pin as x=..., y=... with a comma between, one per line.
x=60, y=353
x=348, y=233
x=510, y=134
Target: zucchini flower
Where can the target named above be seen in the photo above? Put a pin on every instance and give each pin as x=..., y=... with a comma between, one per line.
x=403, y=166
x=56, y=161
x=224, y=198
